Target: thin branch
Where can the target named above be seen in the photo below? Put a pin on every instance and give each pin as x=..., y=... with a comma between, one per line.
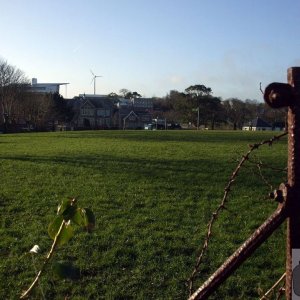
x=261, y=88
x=264, y=297
x=221, y=207
x=35, y=269
x=35, y=281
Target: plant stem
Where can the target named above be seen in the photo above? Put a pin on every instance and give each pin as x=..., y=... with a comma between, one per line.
x=273, y=287
x=35, y=269
x=35, y=281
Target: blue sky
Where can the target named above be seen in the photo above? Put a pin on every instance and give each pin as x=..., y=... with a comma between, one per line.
x=154, y=46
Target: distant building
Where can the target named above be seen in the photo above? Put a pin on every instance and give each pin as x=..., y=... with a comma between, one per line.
x=257, y=124
x=278, y=126
x=92, y=112
x=45, y=87
x=134, y=113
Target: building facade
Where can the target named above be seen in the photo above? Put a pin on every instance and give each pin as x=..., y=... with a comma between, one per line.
x=45, y=87
x=93, y=112
x=134, y=113
x=257, y=125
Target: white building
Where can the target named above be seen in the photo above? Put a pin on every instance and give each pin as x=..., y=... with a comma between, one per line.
x=45, y=87
x=257, y=125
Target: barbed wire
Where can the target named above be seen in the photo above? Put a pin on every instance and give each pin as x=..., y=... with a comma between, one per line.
x=266, y=166
x=221, y=207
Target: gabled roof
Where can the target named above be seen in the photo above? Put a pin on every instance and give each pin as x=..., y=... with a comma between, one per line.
x=99, y=102
x=258, y=122
x=132, y=113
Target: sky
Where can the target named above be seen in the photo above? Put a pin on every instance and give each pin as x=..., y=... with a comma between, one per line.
x=152, y=46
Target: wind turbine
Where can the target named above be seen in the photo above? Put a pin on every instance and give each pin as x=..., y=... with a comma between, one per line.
x=94, y=79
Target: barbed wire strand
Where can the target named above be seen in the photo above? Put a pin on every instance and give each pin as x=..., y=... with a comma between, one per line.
x=266, y=166
x=263, y=178
x=221, y=207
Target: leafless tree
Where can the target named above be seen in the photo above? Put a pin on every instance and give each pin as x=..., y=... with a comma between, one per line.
x=37, y=109
x=124, y=92
x=12, y=84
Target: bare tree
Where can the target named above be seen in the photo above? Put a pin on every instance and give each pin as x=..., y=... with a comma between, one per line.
x=124, y=92
x=37, y=109
x=236, y=112
x=12, y=84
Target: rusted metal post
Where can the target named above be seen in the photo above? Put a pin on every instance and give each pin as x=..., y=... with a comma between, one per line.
x=241, y=254
x=277, y=95
x=293, y=226
x=280, y=95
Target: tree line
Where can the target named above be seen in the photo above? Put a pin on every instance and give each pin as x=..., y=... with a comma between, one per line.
x=20, y=106
x=195, y=106
x=198, y=107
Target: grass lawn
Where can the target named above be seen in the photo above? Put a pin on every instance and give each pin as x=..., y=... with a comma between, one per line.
x=153, y=193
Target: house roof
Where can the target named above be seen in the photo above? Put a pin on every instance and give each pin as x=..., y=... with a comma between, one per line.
x=132, y=113
x=258, y=122
x=99, y=102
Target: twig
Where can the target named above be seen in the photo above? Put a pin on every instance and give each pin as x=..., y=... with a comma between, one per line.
x=35, y=281
x=261, y=88
x=221, y=207
x=35, y=269
x=264, y=297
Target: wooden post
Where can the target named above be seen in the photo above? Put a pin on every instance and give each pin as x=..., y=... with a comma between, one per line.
x=293, y=197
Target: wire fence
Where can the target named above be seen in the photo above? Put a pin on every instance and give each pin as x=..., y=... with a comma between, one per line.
x=276, y=95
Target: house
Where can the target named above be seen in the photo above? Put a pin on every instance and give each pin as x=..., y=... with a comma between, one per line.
x=134, y=113
x=279, y=126
x=257, y=124
x=92, y=112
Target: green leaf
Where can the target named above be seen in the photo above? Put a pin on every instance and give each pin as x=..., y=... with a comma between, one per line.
x=90, y=219
x=66, y=205
x=54, y=226
x=65, y=270
x=66, y=233
x=79, y=217
x=69, y=213
x=84, y=217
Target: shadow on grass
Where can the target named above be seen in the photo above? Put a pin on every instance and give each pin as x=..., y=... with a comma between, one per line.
x=163, y=136
x=136, y=168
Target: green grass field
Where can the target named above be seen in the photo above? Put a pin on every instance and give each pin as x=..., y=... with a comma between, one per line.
x=153, y=193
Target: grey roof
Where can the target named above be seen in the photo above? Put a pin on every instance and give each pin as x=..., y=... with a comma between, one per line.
x=258, y=122
x=100, y=102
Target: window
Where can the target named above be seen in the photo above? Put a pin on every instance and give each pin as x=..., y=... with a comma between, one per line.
x=100, y=112
x=87, y=111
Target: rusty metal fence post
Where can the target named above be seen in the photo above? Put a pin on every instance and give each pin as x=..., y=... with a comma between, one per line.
x=277, y=95
x=293, y=226
x=241, y=254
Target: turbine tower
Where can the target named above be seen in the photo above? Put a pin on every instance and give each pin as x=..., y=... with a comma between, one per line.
x=94, y=79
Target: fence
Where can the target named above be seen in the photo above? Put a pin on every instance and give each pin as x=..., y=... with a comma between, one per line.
x=276, y=95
